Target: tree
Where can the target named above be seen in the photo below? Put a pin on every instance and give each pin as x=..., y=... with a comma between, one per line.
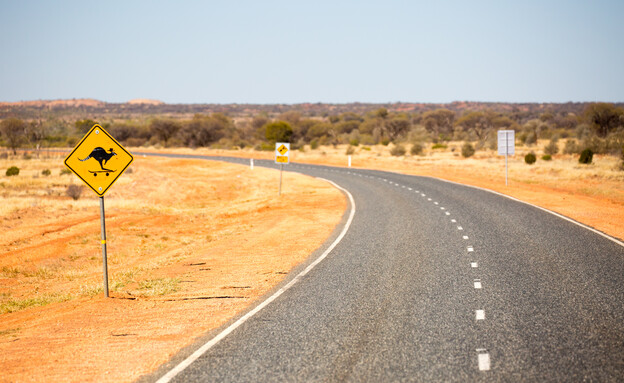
x=13, y=132
x=164, y=129
x=279, y=131
x=396, y=127
x=83, y=126
x=36, y=132
x=204, y=130
x=439, y=121
x=604, y=117
x=479, y=122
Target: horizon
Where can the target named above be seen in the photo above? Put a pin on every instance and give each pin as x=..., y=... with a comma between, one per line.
x=149, y=101
x=276, y=52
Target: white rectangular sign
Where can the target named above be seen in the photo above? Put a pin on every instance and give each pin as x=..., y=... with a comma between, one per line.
x=506, y=142
x=282, y=152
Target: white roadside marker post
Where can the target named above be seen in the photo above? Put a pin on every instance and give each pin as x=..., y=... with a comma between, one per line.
x=251, y=163
x=506, y=146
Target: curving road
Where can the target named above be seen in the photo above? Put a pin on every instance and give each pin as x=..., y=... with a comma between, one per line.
x=433, y=281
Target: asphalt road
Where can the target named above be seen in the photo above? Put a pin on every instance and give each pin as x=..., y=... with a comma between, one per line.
x=435, y=281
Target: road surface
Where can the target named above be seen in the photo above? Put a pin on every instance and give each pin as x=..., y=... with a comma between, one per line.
x=434, y=281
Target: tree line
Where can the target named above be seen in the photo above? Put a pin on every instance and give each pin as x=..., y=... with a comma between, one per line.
x=600, y=127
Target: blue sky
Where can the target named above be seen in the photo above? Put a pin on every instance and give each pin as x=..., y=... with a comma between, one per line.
x=316, y=51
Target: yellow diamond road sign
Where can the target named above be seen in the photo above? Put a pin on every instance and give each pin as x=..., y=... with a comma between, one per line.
x=98, y=160
x=282, y=152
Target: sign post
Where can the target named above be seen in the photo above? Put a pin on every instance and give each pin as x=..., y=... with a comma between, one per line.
x=99, y=168
x=506, y=146
x=282, y=156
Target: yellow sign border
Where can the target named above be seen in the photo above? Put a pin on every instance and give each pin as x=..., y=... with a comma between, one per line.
x=97, y=126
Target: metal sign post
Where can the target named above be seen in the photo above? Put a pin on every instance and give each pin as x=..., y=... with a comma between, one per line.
x=280, y=185
x=506, y=146
x=104, y=259
x=98, y=160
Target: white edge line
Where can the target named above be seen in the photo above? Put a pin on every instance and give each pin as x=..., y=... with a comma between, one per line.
x=207, y=346
x=607, y=236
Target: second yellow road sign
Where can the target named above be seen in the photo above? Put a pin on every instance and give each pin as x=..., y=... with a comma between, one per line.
x=282, y=152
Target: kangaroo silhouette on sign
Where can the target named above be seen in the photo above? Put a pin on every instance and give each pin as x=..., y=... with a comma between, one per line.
x=101, y=156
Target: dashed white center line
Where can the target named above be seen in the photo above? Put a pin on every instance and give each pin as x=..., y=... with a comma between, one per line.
x=480, y=314
x=465, y=237
x=435, y=203
x=477, y=284
x=474, y=265
x=423, y=194
x=484, y=359
x=428, y=199
x=409, y=189
x=453, y=220
x=442, y=208
x=460, y=228
x=470, y=249
x=447, y=213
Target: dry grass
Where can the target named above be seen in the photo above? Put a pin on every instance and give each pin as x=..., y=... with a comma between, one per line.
x=180, y=233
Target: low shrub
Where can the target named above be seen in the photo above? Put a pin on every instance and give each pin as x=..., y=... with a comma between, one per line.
x=530, y=158
x=385, y=141
x=467, y=150
x=12, y=171
x=439, y=146
x=314, y=144
x=586, y=157
x=570, y=147
x=350, y=150
x=417, y=149
x=46, y=172
x=65, y=171
x=74, y=191
x=398, y=150
x=547, y=157
x=354, y=142
x=551, y=148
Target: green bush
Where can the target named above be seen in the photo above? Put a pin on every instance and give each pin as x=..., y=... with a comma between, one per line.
x=586, y=157
x=547, y=157
x=354, y=142
x=467, y=150
x=12, y=171
x=530, y=158
x=416, y=149
x=65, y=171
x=385, y=141
x=46, y=172
x=398, y=150
x=439, y=146
x=366, y=148
x=350, y=150
x=314, y=144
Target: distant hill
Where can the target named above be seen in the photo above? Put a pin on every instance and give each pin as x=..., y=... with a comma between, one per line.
x=90, y=108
